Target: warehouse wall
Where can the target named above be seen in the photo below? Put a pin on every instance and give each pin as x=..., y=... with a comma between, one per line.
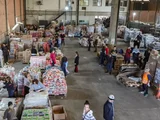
x=50, y=7
x=9, y=12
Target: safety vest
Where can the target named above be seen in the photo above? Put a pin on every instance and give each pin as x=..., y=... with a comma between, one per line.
x=145, y=78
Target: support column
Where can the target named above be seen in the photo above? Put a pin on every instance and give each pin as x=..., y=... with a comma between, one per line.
x=77, y=13
x=114, y=22
x=14, y=2
x=20, y=11
x=24, y=8
x=6, y=15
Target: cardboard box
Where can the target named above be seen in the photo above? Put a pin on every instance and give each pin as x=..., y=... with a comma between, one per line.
x=59, y=112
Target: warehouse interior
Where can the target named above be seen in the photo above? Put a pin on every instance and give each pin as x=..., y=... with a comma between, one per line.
x=79, y=59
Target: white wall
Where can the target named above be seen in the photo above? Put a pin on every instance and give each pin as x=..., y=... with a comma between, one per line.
x=53, y=5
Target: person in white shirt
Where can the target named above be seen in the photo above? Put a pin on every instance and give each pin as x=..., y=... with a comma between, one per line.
x=27, y=82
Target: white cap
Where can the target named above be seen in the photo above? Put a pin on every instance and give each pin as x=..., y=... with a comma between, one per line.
x=147, y=70
x=111, y=97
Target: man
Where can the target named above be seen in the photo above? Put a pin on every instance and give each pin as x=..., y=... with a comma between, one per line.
x=146, y=78
x=95, y=45
x=62, y=35
x=89, y=43
x=146, y=57
x=5, y=53
x=9, y=114
x=108, y=109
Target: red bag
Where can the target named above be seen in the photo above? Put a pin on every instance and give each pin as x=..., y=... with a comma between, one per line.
x=76, y=68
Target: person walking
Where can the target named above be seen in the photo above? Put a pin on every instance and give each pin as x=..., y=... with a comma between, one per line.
x=9, y=113
x=146, y=78
x=62, y=35
x=76, y=61
x=5, y=53
x=108, y=109
x=135, y=53
x=87, y=112
x=59, y=42
x=53, y=58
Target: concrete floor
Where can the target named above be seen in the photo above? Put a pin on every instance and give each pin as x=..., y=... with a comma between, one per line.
x=91, y=83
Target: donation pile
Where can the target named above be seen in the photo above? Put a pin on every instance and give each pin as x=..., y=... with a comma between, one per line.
x=38, y=61
x=36, y=100
x=7, y=71
x=37, y=114
x=129, y=75
x=54, y=80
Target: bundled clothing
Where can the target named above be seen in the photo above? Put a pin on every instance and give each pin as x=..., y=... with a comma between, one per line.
x=88, y=115
x=36, y=87
x=108, y=111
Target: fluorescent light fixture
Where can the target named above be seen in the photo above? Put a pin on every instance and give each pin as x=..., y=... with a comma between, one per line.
x=134, y=14
x=66, y=8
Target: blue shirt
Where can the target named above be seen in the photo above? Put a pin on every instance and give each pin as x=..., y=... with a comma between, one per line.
x=36, y=87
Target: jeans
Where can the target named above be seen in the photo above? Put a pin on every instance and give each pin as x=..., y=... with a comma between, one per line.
x=11, y=93
x=145, y=88
x=109, y=67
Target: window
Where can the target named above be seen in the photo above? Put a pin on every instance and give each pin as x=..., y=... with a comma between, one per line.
x=97, y=2
x=83, y=2
x=108, y=2
x=123, y=3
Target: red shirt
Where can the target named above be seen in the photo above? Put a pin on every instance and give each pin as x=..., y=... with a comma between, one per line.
x=128, y=53
x=107, y=51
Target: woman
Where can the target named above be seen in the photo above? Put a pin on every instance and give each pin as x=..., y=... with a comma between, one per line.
x=76, y=61
x=27, y=81
x=9, y=114
x=127, y=56
x=37, y=86
x=64, y=65
x=53, y=58
x=10, y=87
x=87, y=112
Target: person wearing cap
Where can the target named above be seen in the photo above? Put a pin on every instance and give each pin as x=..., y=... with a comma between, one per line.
x=146, y=78
x=9, y=114
x=108, y=109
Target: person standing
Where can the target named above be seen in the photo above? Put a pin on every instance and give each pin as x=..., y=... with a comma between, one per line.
x=87, y=112
x=146, y=78
x=102, y=56
x=9, y=114
x=59, y=42
x=53, y=58
x=27, y=81
x=108, y=109
x=146, y=57
x=1, y=57
x=64, y=65
x=135, y=53
x=107, y=50
x=95, y=45
x=89, y=43
x=10, y=87
x=76, y=61
x=114, y=53
x=127, y=56
x=62, y=35
x=5, y=53
x=109, y=64
x=37, y=86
